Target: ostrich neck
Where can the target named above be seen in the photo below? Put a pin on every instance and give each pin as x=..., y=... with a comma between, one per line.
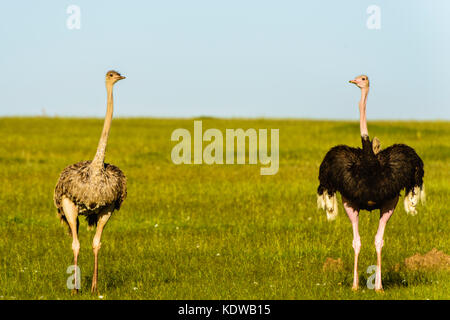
x=362, y=112
x=368, y=154
x=101, y=149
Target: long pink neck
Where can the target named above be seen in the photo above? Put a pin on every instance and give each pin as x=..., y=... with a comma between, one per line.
x=101, y=149
x=362, y=112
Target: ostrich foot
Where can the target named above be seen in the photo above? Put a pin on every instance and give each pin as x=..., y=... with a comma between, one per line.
x=74, y=292
x=380, y=290
x=355, y=288
x=94, y=287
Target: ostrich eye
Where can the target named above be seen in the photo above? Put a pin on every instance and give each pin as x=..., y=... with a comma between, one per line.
x=364, y=78
x=110, y=74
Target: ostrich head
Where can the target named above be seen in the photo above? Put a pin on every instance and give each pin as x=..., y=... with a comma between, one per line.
x=112, y=77
x=361, y=81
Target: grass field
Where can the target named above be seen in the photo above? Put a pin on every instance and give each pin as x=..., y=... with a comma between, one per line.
x=211, y=232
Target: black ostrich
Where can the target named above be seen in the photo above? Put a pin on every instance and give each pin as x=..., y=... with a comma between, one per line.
x=369, y=179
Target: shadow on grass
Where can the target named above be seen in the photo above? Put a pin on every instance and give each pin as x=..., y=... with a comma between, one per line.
x=398, y=279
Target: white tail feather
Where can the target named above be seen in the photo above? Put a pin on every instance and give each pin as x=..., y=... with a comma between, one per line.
x=423, y=195
x=329, y=204
x=412, y=199
x=321, y=201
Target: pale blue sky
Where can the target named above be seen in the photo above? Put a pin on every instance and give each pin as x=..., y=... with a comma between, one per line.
x=226, y=58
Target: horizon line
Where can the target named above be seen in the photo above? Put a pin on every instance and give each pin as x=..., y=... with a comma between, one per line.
x=204, y=117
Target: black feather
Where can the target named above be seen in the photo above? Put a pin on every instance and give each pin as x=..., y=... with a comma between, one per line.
x=368, y=180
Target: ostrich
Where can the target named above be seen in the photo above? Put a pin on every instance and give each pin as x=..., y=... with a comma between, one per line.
x=369, y=179
x=91, y=188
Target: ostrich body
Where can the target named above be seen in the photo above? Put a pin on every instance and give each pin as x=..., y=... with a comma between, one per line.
x=369, y=178
x=91, y=188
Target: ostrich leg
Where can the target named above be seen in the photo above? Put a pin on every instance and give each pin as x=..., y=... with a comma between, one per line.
x=386, y=212
x=353, y=215
x=96, y=244
x=71, y=214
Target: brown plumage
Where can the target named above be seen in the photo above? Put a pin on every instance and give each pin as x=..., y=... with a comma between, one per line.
x=91, y=188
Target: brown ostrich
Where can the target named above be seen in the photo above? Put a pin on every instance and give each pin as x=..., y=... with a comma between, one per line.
x=92, y=188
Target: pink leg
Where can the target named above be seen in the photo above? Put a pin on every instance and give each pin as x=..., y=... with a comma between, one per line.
x=96, y=244
x=386, y=212
x=71, y=214
x=353, y=215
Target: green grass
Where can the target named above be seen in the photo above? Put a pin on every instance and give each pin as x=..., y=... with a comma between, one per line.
x=211, y=232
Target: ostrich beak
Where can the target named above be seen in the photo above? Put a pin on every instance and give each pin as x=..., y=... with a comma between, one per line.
x=122, y=77
x=353, y=81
